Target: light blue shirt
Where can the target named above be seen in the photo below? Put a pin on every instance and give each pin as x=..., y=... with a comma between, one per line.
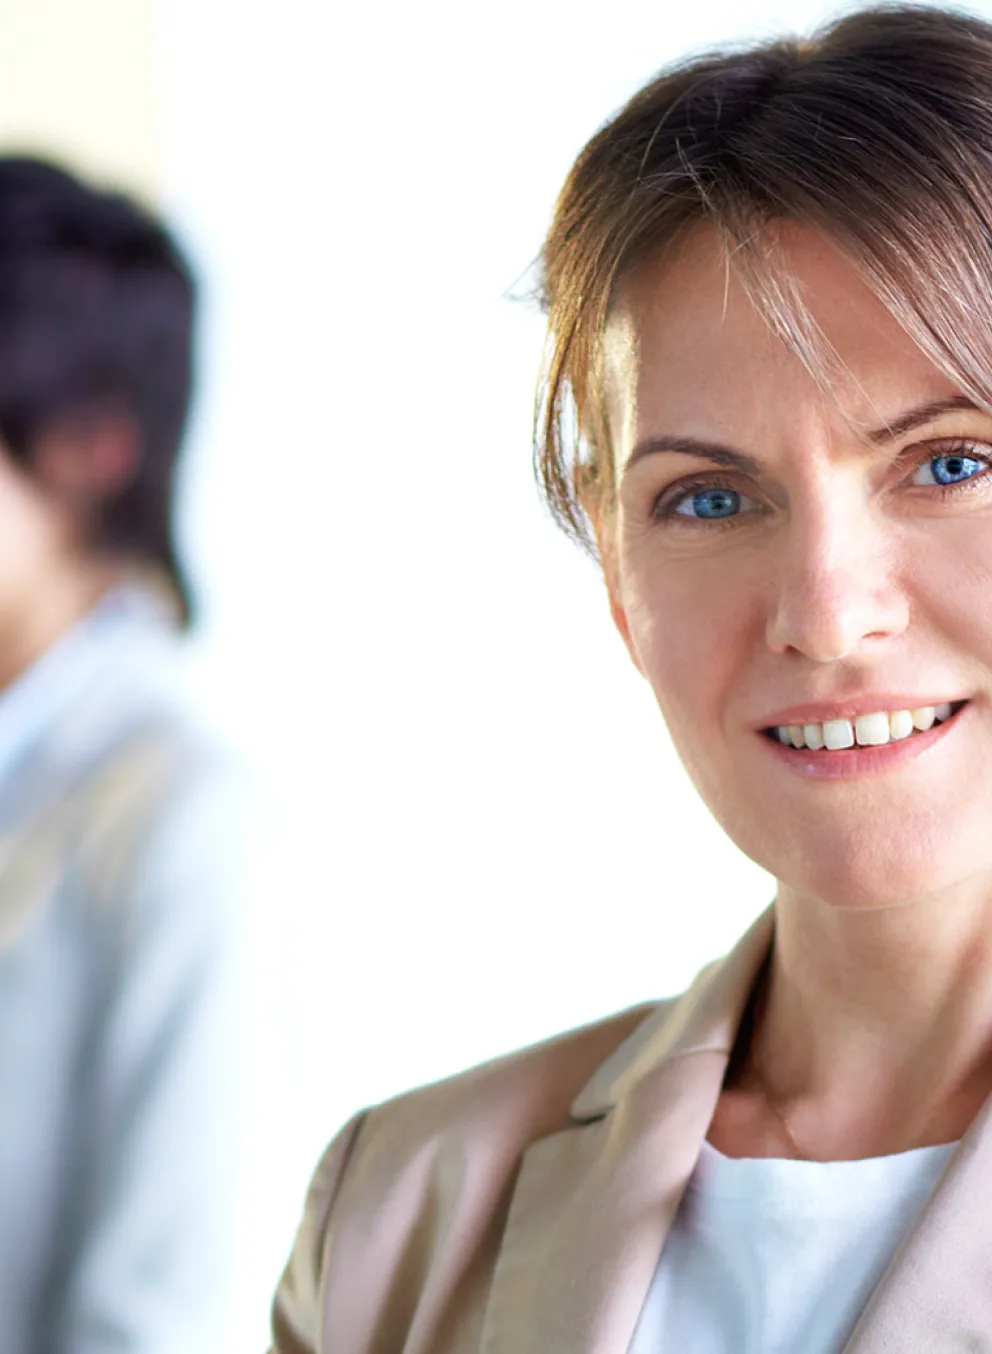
x=119, y=994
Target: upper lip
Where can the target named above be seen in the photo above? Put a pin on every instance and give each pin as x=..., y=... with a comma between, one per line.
x=820, y=712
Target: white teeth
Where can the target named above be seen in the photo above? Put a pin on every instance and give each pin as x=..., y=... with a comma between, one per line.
x=900, y=725
x=813, y=733
x=871, y=730
x=838, y=733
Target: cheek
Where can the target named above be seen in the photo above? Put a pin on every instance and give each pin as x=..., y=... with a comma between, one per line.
x=952, y=582
x=693, y=628
x=30, y=537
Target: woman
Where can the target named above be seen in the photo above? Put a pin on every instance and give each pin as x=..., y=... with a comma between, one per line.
x=768, y=400
x=119, y=909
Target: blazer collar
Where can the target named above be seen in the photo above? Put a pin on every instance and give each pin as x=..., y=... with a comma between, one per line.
x=705, y=1019
x=592, y=1204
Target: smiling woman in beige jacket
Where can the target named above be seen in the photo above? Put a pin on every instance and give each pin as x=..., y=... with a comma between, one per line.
x=769, y=288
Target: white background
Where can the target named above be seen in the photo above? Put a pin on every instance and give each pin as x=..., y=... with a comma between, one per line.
x=480, y=832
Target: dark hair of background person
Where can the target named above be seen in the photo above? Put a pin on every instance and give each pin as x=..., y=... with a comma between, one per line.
x=876, y=133
x=96, y=318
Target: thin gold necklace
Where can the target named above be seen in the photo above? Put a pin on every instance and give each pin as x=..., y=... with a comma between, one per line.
x=779, y=1113
x=770, y=1099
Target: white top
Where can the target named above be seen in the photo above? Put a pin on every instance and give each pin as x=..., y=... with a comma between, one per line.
x=768, y=1256
x=120, y=992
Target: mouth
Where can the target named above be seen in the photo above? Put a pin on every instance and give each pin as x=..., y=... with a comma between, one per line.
x=864, y=731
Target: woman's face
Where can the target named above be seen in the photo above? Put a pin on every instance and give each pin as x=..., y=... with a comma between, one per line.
x=784, y=557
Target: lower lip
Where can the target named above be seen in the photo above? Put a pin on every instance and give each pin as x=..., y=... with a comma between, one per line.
x=862, y=761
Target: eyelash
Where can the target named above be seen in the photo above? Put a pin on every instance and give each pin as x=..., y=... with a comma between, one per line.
x=665, y=511
x=961, y=447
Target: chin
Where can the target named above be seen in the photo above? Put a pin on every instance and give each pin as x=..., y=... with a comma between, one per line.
x=864, y=850
x=863, y=889
x=850, y=874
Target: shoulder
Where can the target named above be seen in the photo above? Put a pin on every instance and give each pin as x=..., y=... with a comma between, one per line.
x=153, y=786
x=448, y=1150
x=138, y=788
x=131, y=732
x=513, y=1098
x=473, y=1127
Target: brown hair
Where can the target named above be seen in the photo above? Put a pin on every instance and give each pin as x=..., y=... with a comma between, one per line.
x=97, y=310
x=877, y=133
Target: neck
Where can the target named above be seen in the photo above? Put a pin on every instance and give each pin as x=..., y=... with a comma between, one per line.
x=28, y=630
x=874, y=1028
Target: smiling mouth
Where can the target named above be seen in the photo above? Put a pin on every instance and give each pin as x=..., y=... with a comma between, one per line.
x=871, y=730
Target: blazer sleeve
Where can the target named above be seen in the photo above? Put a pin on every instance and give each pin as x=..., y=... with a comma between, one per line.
x=296, y=1310
x=147, y=1251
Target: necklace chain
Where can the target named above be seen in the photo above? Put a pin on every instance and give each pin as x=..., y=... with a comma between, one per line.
x=778, y=1112
x=770, y=1099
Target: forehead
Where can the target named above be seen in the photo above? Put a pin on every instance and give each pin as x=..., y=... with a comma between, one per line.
x=689, y=351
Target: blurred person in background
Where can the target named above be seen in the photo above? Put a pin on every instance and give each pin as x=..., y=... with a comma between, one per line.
x=767, y=406
x=119, y=905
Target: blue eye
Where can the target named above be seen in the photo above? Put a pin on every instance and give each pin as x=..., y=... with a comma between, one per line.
x=710, y=503
x=953, y=468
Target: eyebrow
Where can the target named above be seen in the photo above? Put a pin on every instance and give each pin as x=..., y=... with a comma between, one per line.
x=692, y=446
x=739, y=460
x=923, y=413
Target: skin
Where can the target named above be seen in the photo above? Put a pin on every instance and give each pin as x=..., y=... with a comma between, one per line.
x=49, y=574
x=846, y=572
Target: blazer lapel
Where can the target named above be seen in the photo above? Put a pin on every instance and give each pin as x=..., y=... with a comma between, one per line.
x=936, y=1294
x=593, y=1204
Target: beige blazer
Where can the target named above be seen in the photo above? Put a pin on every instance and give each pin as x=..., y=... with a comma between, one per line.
x=520, y=1208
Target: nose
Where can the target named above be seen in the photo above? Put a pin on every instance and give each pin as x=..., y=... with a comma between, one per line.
x=836, y=587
